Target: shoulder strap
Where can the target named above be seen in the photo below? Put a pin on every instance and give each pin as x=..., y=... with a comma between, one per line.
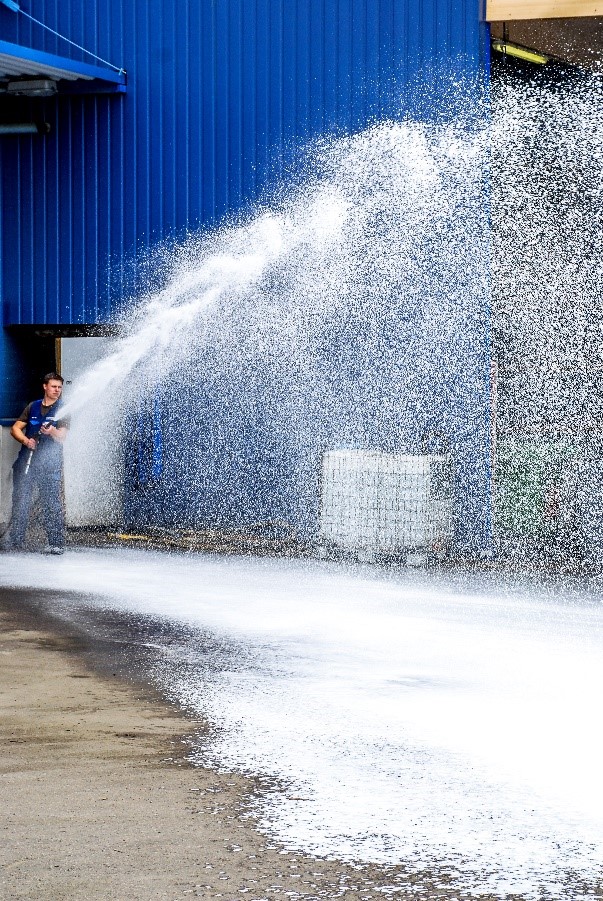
x=53, y=412
x=35, y=410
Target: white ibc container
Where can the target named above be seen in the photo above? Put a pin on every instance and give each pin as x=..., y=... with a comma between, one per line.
x=385, y=503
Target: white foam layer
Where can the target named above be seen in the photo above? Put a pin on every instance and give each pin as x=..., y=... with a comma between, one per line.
x=412, y=718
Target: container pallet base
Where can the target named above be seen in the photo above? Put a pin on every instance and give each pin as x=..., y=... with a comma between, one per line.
x=411, y=557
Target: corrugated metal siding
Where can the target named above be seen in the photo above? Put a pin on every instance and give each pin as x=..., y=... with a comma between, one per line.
x=221, y=95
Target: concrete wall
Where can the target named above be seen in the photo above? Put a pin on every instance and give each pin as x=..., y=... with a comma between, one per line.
x=93, y=464
x=8, y=454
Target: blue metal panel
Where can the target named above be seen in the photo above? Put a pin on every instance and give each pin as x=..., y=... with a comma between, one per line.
x=222, y=95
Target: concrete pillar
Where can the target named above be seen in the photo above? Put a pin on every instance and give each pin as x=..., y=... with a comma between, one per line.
x=9, y=449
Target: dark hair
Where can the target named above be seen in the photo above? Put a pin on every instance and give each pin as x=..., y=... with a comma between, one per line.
x=53, y=375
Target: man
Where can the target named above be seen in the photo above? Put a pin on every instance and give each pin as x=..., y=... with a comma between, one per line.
x=39, y=464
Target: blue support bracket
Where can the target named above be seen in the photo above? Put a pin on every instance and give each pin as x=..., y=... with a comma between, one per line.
x=95, y=86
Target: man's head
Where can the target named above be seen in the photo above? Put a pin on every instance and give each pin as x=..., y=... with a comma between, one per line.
x=53, y=387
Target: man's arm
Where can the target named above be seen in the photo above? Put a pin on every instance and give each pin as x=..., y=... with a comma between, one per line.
x=17, y=430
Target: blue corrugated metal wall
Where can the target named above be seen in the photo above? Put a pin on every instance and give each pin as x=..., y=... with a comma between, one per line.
x=220, y=95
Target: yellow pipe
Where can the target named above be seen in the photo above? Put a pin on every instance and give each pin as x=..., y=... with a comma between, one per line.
x=530, y=56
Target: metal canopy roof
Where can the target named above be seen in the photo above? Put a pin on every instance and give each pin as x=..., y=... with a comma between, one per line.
x=73, y=77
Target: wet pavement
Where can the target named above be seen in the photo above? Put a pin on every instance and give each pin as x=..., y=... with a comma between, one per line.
x=429, y=722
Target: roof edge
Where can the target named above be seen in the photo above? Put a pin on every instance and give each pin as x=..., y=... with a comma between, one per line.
x=76, y=68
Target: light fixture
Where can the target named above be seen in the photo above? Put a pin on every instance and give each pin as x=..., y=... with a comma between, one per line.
x=25, y=128
x=516, y=50
x=37, y=87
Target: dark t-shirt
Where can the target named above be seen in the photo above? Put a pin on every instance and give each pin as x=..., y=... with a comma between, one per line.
x=60, y=423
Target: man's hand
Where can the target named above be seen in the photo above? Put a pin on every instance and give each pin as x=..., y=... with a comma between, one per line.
x=30, y=443
x=57, y=434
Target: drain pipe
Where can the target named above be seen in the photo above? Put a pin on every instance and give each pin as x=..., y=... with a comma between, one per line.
x=25, y=128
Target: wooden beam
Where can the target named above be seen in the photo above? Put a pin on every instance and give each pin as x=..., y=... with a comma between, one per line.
x=514, y=10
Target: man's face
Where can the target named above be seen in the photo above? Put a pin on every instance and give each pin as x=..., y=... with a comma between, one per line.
x=53, y=389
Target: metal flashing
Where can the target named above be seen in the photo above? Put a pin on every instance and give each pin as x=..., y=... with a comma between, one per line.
x=72, y=76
